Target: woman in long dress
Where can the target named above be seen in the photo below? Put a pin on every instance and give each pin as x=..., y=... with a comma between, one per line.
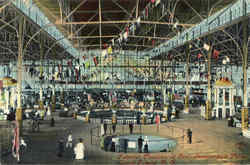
x=79, y=150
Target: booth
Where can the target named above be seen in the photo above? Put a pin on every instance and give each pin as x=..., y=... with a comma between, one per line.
x=224, y=90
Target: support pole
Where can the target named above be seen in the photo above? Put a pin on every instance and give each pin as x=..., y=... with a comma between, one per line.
x=19, y=121
x=100, y=25
x=53, y=100
x=187, y=51
x=244, y=111
x=41, y=106
x=208, y=113
x=62, y=98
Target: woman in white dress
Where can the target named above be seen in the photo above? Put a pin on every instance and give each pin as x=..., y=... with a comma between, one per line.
x=79, y=150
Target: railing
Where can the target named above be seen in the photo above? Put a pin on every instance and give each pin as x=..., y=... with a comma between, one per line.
x=162, y=130
x=223, y=17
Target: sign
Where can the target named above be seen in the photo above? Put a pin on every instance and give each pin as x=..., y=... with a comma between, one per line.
x=131, y=144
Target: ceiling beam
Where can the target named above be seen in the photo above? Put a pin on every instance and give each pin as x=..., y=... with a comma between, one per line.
x=120, y=22
x=114, y=36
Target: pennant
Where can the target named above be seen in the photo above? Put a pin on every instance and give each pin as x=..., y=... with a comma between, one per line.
x=69, y=63
x=146, y=12
x=60, y=68
x=153, y=42
x=77, y=74
x=206, y=47
x=77, y=61
x=110, y=50
x=199, y=56
x=105, y=46
x=138, y=21
x=216, y=54
x=125, y=36
x=87, y=65
x=127, y=29
x=157, y=2
x=95, y=61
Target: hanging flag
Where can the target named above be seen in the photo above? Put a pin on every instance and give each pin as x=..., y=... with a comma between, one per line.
x=87, y=64
x=77, y=61
x=125, y=36
x=89, y=97
x=77, y=74
x=105, y=45
x=157, y=2
x=138, y=21
x=110, y=50
x=163, y=9
x=216, y=54
x=199, y=56
x=153, y=42
x=60, y=68
x=146, y=12
x=113, y=41
x=104, y=52
x=127, y=29
x=206, y=47
x=152, y=1
x=95, y=61
x=1, y=84
x=69, y=63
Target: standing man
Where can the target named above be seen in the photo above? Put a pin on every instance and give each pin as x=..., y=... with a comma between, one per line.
x=52, y=122
x=131, y=126
x=69, y=141
x=140, y=142
x=114, y=128
x=60, y=148
x=105, y=128
x=189, y=134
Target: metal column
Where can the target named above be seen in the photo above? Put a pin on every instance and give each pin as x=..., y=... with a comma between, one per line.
x=19, y=122
x=187, y=51
x=208, y=113
x=244, y=111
